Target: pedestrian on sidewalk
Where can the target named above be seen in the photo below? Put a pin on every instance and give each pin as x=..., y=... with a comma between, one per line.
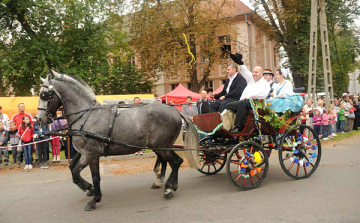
x=14, y=141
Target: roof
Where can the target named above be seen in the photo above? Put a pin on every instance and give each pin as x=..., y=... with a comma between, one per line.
x=239, y=8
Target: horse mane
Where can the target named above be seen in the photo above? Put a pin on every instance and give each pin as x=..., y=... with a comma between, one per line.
x=79, y=81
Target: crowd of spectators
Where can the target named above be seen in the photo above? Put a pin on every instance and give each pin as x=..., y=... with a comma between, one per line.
x=24, y=137
x=340, y=117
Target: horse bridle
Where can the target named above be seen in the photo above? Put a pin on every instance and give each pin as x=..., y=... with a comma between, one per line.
x=48, y=96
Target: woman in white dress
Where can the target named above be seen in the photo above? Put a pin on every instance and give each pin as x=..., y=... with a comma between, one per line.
x=283, y=87
x=283, y=96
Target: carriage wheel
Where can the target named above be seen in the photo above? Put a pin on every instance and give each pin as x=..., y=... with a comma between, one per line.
x=211, y=162
x=300, y=152
x=247, y=165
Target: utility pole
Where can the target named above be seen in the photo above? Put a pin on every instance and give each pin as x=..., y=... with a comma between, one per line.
x=318, y=10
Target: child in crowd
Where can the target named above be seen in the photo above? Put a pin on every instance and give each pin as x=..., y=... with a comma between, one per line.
x=332, y=116
x=26, y=132
x=4, y=135
x=325, y=124
x=341, y=118
x=336, y=110
x=42, y=147
x=57, y=125
x=14, y=141
x=317, y=122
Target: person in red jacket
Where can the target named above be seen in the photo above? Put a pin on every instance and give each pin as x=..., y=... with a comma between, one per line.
x=26, y=133
x=17, y=118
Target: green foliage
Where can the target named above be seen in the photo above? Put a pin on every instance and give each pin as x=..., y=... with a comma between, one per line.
x=125, y=79
x=288, y=22
x=82, y=38
x=272, y=117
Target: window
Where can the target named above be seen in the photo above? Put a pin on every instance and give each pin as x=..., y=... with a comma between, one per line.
x=189, y=86
x=208, y=86
x=225, y=41
x=173, y=86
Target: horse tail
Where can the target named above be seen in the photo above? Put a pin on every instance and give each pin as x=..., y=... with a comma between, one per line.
x=191, y=143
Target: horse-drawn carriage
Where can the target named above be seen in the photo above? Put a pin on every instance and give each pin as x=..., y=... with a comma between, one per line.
x=246, y=154
x=98, y=130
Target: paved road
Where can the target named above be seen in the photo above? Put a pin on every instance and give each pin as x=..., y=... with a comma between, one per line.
x=332, y=194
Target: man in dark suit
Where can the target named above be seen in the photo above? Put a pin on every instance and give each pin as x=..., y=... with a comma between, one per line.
x=232, y=91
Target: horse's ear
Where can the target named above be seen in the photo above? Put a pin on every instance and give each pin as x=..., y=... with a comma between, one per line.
x=42, y=79
x=56, y=74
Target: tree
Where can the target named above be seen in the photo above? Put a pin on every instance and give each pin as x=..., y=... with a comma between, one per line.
x=83, y=38
x=288, y=22
x=157, y=29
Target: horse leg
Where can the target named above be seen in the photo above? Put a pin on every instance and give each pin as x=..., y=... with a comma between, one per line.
x=95, y=173
x=175, y=162
x=78, y=163
x=160, y=174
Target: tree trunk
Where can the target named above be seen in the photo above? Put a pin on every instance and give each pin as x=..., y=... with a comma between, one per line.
x=298, y=79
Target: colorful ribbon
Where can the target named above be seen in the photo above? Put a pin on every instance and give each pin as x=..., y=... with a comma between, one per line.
x=208, y=133
x=193, y=59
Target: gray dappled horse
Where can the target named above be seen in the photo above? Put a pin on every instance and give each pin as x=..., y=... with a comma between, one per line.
x=153, y=126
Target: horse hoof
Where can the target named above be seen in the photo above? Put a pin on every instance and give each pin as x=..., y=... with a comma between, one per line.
x=154, y=186
x=90, y=206
x=168, y=194
x=90, y=193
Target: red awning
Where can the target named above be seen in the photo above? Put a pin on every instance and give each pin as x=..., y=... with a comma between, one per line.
x=179, y=94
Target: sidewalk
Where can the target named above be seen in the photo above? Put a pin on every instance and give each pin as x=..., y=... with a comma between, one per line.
x=108, y=158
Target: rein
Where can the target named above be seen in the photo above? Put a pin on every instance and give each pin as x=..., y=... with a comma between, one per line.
x=109, y=140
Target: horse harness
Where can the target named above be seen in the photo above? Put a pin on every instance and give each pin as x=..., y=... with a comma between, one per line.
x=48, y=96
x=79, y=132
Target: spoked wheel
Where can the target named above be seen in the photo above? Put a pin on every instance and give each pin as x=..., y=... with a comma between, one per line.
x=247, y=165
x=300, y=152
x=212, y=161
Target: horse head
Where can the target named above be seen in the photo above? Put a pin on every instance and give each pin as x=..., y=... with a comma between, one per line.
x=63, y=90
x=49, y=101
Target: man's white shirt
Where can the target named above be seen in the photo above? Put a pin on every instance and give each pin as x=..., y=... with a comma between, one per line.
x=258, y=89
x=231, y=79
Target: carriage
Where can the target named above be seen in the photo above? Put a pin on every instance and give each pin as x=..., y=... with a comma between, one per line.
x=246, y=154
x=99, y=130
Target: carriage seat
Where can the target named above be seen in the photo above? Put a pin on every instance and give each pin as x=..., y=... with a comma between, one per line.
x=207, y=122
